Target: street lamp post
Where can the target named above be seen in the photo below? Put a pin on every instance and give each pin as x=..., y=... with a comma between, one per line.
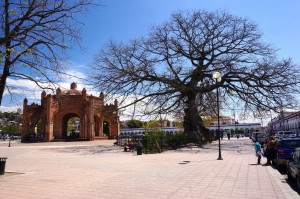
x=217, y=77
x=10, y=123
x=271, y=123
x=9, y=141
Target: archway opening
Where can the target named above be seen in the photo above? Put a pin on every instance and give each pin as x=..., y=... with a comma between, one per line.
x=106, y=128
x=73, y=129
x=97, y=125
x=71, y=126
x=34, y=130
x=39, y=129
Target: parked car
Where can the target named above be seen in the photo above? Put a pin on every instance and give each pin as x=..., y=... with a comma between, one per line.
x=293, y=167
x=261, y=138
x=285, y=134
x=247, y=134
x=285, y=147
x=254, y=136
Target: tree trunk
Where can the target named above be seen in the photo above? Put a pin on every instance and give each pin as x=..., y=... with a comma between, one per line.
x=3, y=78
x=193, y=124
x=2, y=87
x=5, y=72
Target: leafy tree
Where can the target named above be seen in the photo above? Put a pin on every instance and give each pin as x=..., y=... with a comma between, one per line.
x=11, y=116
x=153, y=124
x=34, y=37
x=207, y=121
x=135, y=124
x=174, y=64
x=11, y=129
x=73, y=124
x=7, y=115
x=122, y=126
x=18, y=118
x=178, y=124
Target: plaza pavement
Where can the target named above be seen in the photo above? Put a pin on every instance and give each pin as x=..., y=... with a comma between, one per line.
x=73, y=170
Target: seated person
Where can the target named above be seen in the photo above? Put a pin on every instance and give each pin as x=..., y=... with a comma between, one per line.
x=129, y=145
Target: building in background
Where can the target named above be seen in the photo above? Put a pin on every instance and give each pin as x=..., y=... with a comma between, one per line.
x=226, y=124
x=285, y=121
x=229, y=124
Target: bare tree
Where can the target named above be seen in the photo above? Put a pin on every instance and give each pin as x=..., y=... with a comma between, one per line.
x=34, y=37
x=177, y=60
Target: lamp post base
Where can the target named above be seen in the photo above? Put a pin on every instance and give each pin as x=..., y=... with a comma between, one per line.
x=220, y=158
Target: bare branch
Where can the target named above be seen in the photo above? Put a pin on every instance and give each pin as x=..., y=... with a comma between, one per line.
x=35, y=36
x=176, y=61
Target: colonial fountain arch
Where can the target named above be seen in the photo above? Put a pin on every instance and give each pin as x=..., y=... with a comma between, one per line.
x=55, y=110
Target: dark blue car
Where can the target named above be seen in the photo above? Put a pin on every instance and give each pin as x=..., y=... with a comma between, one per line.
x=293, y=167
x=285, y=147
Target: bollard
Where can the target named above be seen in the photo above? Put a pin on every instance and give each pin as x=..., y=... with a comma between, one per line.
x=2, y=165
x=139, y=149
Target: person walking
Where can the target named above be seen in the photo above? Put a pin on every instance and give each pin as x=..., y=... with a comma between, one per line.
x=222, y=134
x=258, y=153
x=228, y=135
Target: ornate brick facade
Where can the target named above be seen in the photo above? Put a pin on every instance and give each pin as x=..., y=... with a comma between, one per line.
x=55, y=111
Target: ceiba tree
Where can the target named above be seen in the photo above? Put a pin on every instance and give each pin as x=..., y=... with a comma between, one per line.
x=173, y=68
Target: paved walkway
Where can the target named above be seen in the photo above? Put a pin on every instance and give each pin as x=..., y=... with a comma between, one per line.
x=71, y=170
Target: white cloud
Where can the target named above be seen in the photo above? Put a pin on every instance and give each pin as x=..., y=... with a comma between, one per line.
x=21, y=89
x=21, y=83
x=10, y=108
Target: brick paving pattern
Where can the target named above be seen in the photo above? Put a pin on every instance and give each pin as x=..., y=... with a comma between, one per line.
x=80, y=170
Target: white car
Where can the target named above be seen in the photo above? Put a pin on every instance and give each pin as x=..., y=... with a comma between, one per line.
x=254, y=136
x=285, y=134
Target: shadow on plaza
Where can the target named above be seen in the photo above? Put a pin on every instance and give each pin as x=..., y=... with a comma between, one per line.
x=282, y=171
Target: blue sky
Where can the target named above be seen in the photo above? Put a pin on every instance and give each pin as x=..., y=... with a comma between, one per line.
x=128, y=19
x=123, y=20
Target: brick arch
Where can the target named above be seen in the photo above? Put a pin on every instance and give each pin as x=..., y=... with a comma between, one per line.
x=55, y=110
x=112, y=120
x=59, y=123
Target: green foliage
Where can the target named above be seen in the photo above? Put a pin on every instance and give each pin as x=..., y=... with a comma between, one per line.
x=135, y=124
x=72, y=124
x=151, y=140
x=155, y=135
x=38, y=127
x=239, y=131
x=178, y=124
x=153, y=124
x=163, y=140
x=11, y=116
x=180, y=138
x=122, y=126
x=11, y=130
